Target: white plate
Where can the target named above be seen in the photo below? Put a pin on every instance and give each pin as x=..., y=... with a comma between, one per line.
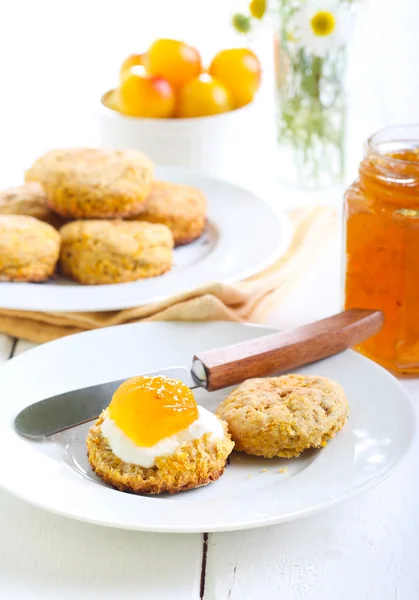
x=55, y=474
x=243, y=236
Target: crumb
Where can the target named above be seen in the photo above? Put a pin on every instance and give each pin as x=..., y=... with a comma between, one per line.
x=249, y=477
x=283, y=470
x=264, y=470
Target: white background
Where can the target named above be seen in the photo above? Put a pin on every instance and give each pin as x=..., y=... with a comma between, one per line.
x=58, y=56
x=55, y=59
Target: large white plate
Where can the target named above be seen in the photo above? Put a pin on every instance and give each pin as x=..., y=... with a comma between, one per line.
x=243, y=236
x=55, y=474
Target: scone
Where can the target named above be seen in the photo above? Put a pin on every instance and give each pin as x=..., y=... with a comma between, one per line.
x=180, y=207
x=28, y=199
x=98, y=252
x=153, y=438
x=283, y=416
x=29, y=249
x=87, y=183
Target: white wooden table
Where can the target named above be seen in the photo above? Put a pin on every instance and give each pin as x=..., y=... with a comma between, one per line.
x=364, y=549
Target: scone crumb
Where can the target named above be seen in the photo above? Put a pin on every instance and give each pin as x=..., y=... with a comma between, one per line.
x=283, y=470
x=264, y=470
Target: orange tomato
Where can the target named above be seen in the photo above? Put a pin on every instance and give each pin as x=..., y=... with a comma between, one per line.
x=202, y=97
x=145, y=96
x=173, y=60
x=239, y=70
x=131, y=61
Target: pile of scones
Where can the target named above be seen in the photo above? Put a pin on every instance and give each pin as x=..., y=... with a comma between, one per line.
x=98, y=216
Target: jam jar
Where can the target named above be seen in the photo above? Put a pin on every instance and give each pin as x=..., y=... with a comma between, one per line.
x=382, y=245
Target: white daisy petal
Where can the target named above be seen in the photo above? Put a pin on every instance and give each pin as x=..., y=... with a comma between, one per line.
x=321, y=26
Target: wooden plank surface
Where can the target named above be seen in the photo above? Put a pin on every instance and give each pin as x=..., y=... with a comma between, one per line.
x=366, y=548
x=6, y=345
x=43, y=556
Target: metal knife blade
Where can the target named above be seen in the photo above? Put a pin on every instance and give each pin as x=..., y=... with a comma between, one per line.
x=70, y=409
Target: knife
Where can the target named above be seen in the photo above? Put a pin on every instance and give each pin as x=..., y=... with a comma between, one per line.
x=213, y=369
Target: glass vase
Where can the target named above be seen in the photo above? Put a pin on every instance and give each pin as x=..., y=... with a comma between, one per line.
x=311, y=110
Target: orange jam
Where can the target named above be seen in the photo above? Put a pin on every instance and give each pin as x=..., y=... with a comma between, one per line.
x=382, y=246
x=148, y=409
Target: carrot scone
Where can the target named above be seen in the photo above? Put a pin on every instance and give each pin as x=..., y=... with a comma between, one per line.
x=94, y=182
x=153, y=438
x=283, y=416
x=29, y=249
x=99, y=252
x=182, y=208
x=28, y=199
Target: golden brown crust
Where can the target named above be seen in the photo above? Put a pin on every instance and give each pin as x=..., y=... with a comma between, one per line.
x=196, y=463
x=182, y=208
x=283, y=416
x=101, y=252
x=29, y=249
x=28, y=199
x=94, y=182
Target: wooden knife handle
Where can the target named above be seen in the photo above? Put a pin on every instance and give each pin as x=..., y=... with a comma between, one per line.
x=285, y=350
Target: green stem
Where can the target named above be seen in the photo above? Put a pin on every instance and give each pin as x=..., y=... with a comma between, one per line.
x=312, y=107
x=317, y=75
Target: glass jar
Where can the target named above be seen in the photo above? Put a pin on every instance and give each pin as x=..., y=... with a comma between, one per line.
x=382, y=245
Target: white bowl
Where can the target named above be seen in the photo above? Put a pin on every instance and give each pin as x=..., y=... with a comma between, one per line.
x=227, y=146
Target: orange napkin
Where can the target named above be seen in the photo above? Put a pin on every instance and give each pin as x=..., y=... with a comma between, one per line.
x=253, y=299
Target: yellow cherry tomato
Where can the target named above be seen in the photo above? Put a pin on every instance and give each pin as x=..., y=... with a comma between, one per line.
x=239, y=70
x=202, y=97
x=145, y=96
x=173, y=60
x=131, y=61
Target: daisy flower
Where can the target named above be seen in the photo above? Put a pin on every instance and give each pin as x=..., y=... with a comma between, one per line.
x=321, y=26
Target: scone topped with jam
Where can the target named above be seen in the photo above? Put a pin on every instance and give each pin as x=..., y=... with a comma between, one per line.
x=283, y=416
x=89, y=183
x=153, y=438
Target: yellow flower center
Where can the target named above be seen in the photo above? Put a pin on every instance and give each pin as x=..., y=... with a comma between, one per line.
x=323, y=23
x=257, y=8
